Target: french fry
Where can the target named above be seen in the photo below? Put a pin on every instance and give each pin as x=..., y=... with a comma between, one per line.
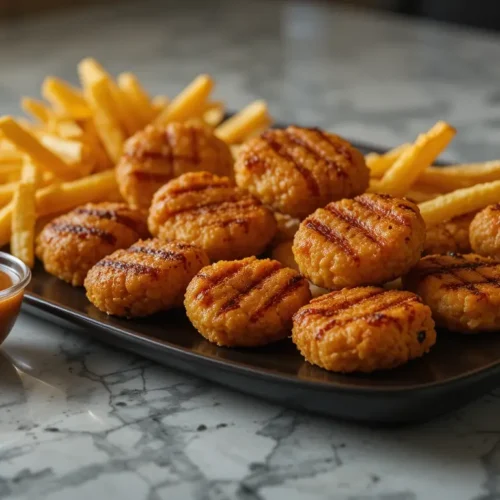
x=138, y=98
x=38, y=109
x=70, y=151
x=7, y=192
x=25, y=141
x=214, y=113
x=158, y=104
x=106, y=124
x=65, y=98
x=66, y=129
x=407, y=168
x=22, y=243
x=460, y=202
x=418, y=196
x=446, y=179
x=101, y=159
x=380, y=163
x=189, y=103
x=254, y=118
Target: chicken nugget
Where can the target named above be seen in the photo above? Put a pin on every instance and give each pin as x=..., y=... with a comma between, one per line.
x=484, y=232
x=148, y=277
x=157, y=154
x=363, y=329
x=71, y=244
x=369, y=240
x=463, y=291
x=245, y=303
x=449, y=236
x=208, y=211
x=297, y=170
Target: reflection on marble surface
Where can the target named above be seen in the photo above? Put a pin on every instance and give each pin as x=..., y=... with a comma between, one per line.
x=81, y=420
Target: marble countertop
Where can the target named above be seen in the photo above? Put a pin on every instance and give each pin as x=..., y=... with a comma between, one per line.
x=80, y=420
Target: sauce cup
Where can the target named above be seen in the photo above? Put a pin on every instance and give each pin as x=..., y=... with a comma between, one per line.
x=12, y=296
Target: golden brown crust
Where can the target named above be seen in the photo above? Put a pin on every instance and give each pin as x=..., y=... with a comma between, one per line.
x=371, y=239
x=485, y=232
x=208, y=211
x=363, y=329
x=148, y=277
x=71, y=244
x=463, y=291
x=245, y=303
x=155, y=155
x=449, y=236
x=296, y=170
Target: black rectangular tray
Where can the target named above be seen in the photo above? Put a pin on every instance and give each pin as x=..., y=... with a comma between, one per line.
x=457, y=370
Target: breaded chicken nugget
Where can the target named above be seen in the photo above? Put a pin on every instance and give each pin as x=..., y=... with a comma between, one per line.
x=449, y=236
x=71, y=244
x=148, y=277
x=371, y=239
x=296, y=170
x=485, y=232
x=363, y=329
x=245, y=303
x=463, y=291
x=208, y=211
x=157, y=154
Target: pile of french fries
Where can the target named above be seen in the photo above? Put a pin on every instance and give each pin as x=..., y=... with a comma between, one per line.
x=442, y=193
x=64, y=154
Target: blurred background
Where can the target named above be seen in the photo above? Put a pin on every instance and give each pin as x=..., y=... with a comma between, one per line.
x=479, y=13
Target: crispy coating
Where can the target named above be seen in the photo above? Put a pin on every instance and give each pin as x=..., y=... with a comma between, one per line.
x=363, y=329
x=71, y=244
x=208, y=211
x=463, y=291
x=369, y=240
x=148, y=277
x=449, y=236
x=297, y=170
x=245, y=303
x=155, y=155
x=485, y=232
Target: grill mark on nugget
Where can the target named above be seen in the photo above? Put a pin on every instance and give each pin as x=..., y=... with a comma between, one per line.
x=215, y=206
x=85, y=231
x=234, y=302
x=128, y=266
x=381, y=211
x=198, y=187
x=333, y=309
x=213, y=281
x=333, y=236
x=109, y=215
x=351, y=221
x=164, y=254
x=281, y=150
x=468, y=266
x=274, y=300
x=337, y=147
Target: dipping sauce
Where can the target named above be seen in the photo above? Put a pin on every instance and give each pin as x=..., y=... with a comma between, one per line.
x=10, y=305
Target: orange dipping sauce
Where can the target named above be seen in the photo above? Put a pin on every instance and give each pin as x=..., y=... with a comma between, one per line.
x=10, y=305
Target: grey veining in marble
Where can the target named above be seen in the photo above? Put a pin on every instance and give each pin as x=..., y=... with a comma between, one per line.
x=79, y=420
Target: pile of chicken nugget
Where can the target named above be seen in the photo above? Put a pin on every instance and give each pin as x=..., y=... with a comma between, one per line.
x=153, y=204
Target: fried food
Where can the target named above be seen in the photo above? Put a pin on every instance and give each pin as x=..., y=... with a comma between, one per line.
x=463, y=291
x=449, y=236
x=460, y=202
x=422, y=153
x=71, y=244
x=296, y=170
x=148, y=277
x=371, y=239
x=363, y=329
x=157, y=154
x=208, y=211
x=379, y=164
x=245, y=303
x=485, y=232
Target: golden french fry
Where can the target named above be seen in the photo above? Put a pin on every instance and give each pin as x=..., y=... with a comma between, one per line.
x=70, y=151
x=254, y=118
x=380, y=163
x=107, y=126
x=100, y=158
x=407, y=168
x=22, y=243
x=7, y=192
x=189, y=103
x=214, y=113
x=38, y=109
x=25, y=141
x=10, y=172
x=65, y=98
x=460, y=202
x=446, y=179
x=159, y=103
x=418, y=196
x=138, y=98
x=66, y=129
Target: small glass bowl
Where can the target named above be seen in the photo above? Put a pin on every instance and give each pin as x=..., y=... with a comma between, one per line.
x=12, y=297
